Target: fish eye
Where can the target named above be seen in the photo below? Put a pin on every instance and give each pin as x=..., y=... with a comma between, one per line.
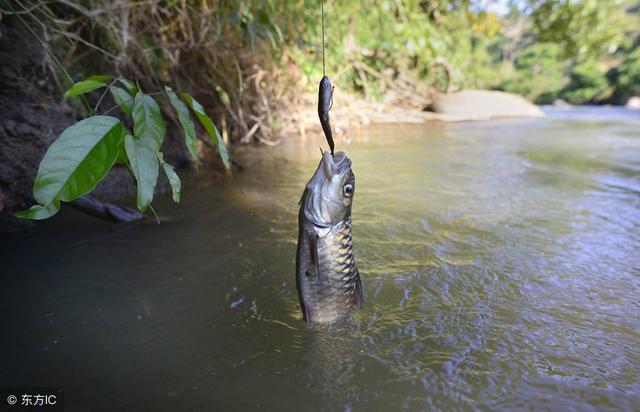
x=348, y=190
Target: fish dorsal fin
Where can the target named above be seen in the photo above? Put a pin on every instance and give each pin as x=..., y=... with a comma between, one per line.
x=313, y=271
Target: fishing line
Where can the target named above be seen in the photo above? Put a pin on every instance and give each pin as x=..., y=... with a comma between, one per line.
x=325, y=92
x=323, y=44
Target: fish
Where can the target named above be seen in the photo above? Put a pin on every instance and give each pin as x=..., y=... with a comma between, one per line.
x=327, y=277
x=325, y=102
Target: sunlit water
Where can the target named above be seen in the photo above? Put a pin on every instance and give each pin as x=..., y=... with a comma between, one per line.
x=500, y=263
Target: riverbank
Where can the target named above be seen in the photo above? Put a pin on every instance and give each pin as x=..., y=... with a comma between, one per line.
x=350, y=113
x=33, y=114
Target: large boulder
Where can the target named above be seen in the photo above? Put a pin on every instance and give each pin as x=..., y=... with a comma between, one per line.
x=633, y=103
x=484, y=104
x=561, y=103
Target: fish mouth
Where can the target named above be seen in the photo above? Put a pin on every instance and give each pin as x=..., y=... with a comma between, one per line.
x=336, y=164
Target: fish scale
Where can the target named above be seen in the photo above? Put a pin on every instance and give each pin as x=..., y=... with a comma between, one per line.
x=327, y=276
x=341, y=273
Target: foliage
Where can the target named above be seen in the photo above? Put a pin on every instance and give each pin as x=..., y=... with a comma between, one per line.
x=75, y=163
x=246, y=52
x=626, y=77
x=249, y=59
x=568, y=49
x=538, y=73
x=220, y=49
x=584, y=29
x=588, y=84
x=208, y=125
x=85, y=152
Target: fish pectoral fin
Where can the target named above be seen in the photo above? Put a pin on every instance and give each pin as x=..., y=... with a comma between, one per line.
x=305, y=314
x=313, y=258
x=358, y=296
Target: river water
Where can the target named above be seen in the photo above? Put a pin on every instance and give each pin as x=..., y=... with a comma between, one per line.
x=500, y=262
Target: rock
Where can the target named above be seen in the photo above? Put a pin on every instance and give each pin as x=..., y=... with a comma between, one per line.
x=633, y=103
x=484, y=104
x=561, y=103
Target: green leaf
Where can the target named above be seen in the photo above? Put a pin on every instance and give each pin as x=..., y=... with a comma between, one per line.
x=209, y=127
x=123, y=99
x=78, y=160
x=82, y=87
x=174, y=180
x=39, y=212
x=122, y=152
x=144, y=165
x=188, y=127
x=148, y=124
x=131, y=87
x=100, y=78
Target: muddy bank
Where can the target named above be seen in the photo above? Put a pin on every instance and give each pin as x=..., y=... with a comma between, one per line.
x=30, y=119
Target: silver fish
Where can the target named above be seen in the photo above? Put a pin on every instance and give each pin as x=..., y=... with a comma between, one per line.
x=327, y=278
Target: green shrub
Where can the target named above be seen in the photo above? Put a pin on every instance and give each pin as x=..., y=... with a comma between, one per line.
x=85, y=152
x=626, y=77
x=538, y=73
x=588, y=84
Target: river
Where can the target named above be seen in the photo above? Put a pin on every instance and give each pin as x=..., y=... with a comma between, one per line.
x=500, y=263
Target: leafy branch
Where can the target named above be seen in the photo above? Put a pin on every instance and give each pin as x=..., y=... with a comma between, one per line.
x=85, y=152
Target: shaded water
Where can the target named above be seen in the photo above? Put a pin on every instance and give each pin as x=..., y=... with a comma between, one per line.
x=500, y=263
